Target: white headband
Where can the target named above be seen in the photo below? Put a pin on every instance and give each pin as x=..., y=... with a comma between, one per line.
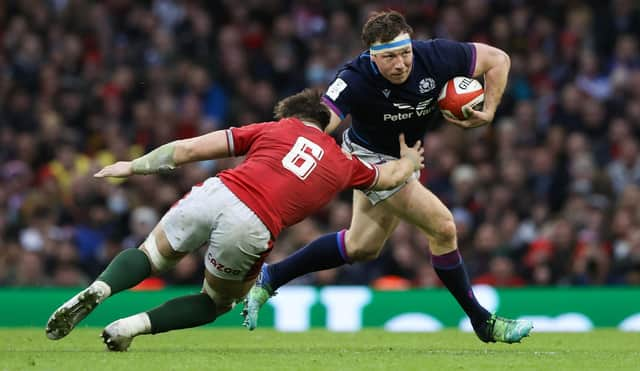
x=399, y=42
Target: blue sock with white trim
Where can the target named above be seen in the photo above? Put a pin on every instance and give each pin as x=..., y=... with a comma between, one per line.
x=325, y=252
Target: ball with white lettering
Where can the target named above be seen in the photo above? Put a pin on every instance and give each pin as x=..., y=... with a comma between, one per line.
x=460, y=94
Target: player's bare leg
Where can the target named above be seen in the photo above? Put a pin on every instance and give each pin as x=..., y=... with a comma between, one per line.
x=417, y=205
x=126, y=270
x=371, y=226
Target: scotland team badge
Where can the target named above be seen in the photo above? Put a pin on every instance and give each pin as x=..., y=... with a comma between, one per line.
x=426, y=85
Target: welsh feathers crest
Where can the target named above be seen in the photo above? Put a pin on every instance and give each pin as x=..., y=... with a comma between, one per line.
x=426, y=85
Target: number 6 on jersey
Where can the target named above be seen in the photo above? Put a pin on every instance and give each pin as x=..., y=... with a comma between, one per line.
x=302, y=158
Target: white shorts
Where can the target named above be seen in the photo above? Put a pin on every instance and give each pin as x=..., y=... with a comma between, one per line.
x=375, y=158
x=238, y=241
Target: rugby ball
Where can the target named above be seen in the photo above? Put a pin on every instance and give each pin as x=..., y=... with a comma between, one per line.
x=460, y=94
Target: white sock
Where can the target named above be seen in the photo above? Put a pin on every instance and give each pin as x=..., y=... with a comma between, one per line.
x=134, y=325
x=104, y=287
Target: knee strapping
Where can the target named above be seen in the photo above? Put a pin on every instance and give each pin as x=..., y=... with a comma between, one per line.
x=158, y=261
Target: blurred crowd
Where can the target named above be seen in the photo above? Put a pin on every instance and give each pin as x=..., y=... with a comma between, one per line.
x=547, y=195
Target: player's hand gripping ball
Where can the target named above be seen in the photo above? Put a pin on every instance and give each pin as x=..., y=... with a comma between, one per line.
x=459, y=95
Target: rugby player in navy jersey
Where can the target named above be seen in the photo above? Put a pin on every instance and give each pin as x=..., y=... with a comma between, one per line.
x=389, y=89
x=237, y=214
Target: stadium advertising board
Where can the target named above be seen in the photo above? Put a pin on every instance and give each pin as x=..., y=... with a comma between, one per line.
x=351, y=308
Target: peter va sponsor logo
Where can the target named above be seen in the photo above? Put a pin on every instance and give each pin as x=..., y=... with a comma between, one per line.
x=421, y=109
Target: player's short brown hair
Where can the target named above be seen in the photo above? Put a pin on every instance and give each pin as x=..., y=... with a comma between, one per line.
x=384, y=27
x=306, y=105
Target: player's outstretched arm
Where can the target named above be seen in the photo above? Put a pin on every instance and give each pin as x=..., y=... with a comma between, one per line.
x=394, y=173
x=169, y=156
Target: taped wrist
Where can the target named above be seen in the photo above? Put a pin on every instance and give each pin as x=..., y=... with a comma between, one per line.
x=158, y=160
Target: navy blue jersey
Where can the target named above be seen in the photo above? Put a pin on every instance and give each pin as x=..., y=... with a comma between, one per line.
x=380, y=110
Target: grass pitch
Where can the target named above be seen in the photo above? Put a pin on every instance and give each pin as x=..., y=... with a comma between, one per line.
x=238, y=349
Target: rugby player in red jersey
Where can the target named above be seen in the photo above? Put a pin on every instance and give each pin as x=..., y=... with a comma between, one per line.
x=292, y=169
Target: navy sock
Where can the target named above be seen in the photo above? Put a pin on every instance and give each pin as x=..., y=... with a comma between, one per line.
x=322, y=253
x=450, y=269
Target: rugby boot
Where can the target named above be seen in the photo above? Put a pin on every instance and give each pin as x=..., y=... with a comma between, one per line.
x=117, y=336
x=69, y=314
x=258, y=295
x=503, y=330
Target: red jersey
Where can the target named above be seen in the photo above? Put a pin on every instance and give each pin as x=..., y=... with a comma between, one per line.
x=291, y=170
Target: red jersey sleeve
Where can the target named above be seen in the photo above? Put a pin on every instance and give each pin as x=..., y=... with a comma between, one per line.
x=240, y=139
x=365, y=175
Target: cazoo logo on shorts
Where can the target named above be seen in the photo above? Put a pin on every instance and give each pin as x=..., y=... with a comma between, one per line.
x=220, y=267
x=421, y=109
